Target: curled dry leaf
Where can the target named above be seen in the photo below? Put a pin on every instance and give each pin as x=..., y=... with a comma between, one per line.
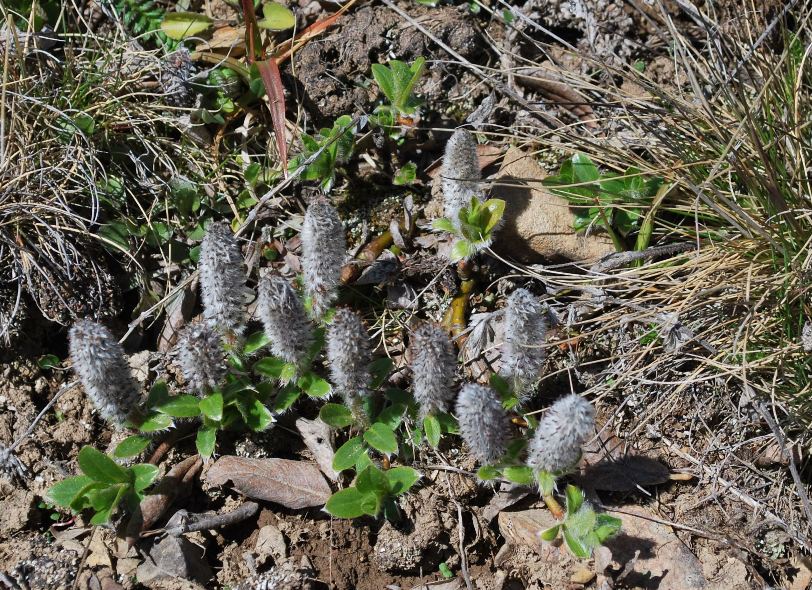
x=319, y=439
x=293, y=484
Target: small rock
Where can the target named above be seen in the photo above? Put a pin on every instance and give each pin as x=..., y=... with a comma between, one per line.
x=270, y=543
x=174, y=557
x=582, y=576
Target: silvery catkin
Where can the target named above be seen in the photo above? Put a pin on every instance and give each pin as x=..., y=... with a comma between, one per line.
x=349, y=357
x=525, y=335
x=433, y=368
x=285, y=320
x=99, y=361
x=202, y=358
x=460, y=174
x=484, y=425
x=222, y=278
x=556, y=446
x=324, y=249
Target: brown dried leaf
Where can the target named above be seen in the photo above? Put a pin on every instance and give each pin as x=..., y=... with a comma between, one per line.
x=293, y=484
x=319, y=439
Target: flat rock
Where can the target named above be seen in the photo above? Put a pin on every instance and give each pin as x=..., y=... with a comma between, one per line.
x=174, y=557
x=538, y=224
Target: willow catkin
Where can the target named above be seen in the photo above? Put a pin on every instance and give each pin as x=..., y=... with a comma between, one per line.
x=202, y=358
x=285, y=321
x=222, y=279
x=433, y=368
x=556, y=445
x=460, y=173
x=349, y=357
x=484, y=425
x=523, y=352
x=324, y=249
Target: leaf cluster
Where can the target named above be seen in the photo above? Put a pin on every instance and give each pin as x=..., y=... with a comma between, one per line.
x=333, y=146
x=583, y=529
x=474, y=228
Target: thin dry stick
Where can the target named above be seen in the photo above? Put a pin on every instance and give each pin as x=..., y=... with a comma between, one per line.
x=463, y=557
x=204, y=522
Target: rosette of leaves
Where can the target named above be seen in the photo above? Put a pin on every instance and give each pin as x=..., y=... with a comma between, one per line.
x=373, y=492
x=583, y=529
x=477, y=224
x=103, y=487
x=328, y=149
x=397, y=80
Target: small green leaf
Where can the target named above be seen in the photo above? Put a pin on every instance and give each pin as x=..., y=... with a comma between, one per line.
x=406, y=175
x=212, y=406
x=257, y=416
x=550, y=534
x=256, y=341
x=372, y=481
x=495, y=209
x=444, y=224
x=382, y=438
x=448, y=423
x=520, y=475
x=380, y=369
x=286, y=397
x=181, y=406
x=270, y=367
x=401, y=479
x=578, y=547
x=48, y=361
x=546, y=481
x=501, y=386
x=363, y=461
x=205, y=441
x=348, y=503
x=445, y=571
x=583, y=169
x=100, y=467
x=288, y=373
x=575, y=499
x=348, y=453
x=64, y=493
x=155, y=421
x=131, y=446
x=431, y=425
x=313, y=385
x=105, y=501
x=606, y=526
x=461, y=250
x=385, y=79
x=145, y=474
x=487, y=472
x=158, y=394
x=335, y=415
x=276, y=17
x=178, y=25
x=392, y=415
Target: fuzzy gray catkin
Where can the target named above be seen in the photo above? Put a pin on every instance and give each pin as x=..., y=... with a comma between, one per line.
x=349, y=357
x=523, y=352
x=433, y=368
x=285, y=320
x=484, y=425
x=324, y=249
x=10, y=465
x=99, y=361
x=202, y=358
x=556, y=446
x=460, y=173
x=222, y=278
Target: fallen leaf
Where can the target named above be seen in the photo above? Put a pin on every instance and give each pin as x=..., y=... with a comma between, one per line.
x=293, y=484
x=504, y=499
x=318, y=437
x=524, y=527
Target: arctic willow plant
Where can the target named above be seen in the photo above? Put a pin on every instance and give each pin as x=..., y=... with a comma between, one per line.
x=583, y=529
x=523, y=352
x=222, y=279
x=324, y=249
x=484, y=425
x=433, y=369
x=469, y=218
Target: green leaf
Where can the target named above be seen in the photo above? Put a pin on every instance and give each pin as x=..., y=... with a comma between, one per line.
x=205, y=441
x=431, y=425
x=363, y=461
x=286, y=397
x=382, y=438
x=276, y=17
x=448, y=423
x=392, y=415
x=501, y=386
x=104, y=501
x=100, y=467
x=131, y=446
x=48, y=361
x=270, y=366
x=550, y=534
x=288, y=373
x=348, y=453
x=372, y=481
x=64, y=493
x=385, y=79
x=578, y=547
x=145, y=474
x=401, y=479
x=445, y=571
x=546, y=481
x=256, y=341
x=461, y=250
x=606, y=526
x=335, y=415
x=348, y=503
x=380, y=369
x=212, y=406
x=487, y=472
x=313, y=385
x=257, y=416
x=575, y=499
x=178, y=25
x=495, y=209
x=444, y=224
x=181, y=406
x=158, y=394
x=520, y=475
x=155, y=421
x=406, y=175
x=583, y=169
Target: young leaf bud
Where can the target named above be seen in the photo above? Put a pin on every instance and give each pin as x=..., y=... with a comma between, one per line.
x=484, y=426
x=556, y=446
x=349, y=357
x=99, y=361
x=222, y=278
x=433, y=368
x=460, y=174
x=525, y=334
x=284, y=319
x=324, y=248
x=202, y=358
